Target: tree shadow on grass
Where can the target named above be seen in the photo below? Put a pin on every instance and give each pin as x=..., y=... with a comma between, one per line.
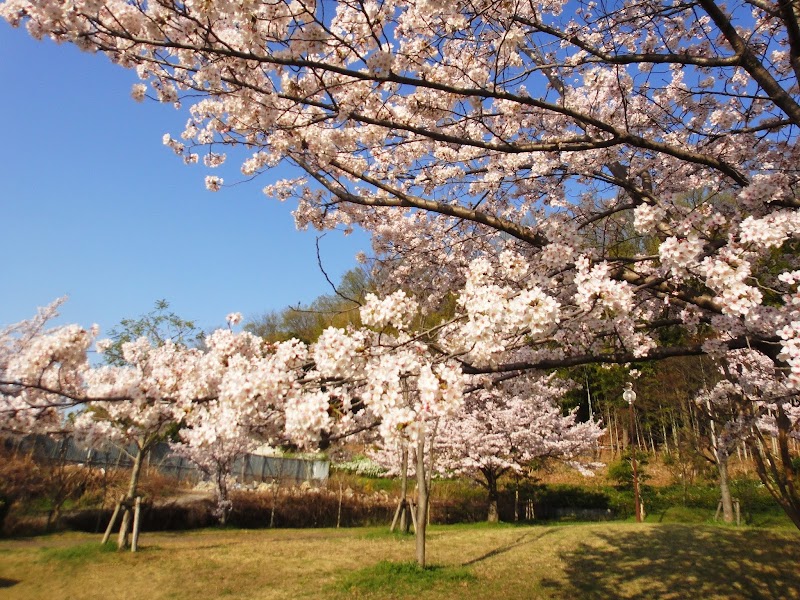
x=527, y=538
x=677, y=561
x=7, y=583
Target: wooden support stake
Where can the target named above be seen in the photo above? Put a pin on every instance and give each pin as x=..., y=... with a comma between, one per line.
x=112, y=522
x=396, y=516
x=339, y=512
x=136, y=514
x=124, y=528
x=413, y=515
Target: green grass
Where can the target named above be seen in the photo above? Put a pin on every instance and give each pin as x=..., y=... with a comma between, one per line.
x=388, y=579
x=595, y=561
x=78, y=553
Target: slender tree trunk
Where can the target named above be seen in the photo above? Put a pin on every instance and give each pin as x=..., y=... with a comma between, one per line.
x=133, y=485
x=223, y=503
x=662, y=415
x=431, y=467
x=53, y=516
x=724, y=486
x=626, y=436
x=491, y=485
x=685, y=477
x=403, y=512
x=422, y=499
x=275, y=492
x=637, y=502
x=405, y=508
x=641, y=441
x=675, y=437
x=721, y=458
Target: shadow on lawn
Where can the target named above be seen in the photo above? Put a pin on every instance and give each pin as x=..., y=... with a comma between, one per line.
x=676, y=561
x=527, y=538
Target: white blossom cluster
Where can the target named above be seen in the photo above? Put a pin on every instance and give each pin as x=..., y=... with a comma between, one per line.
x=595, y=288
x=678, y=256
x=396, y=310
x=336, y=353
x=647, y=218
x=497, y=313
x=728, y=277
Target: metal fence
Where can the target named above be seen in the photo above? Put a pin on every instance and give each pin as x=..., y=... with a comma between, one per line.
x=250, y=468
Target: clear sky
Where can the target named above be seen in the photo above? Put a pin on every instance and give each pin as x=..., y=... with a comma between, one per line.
x=94, y=206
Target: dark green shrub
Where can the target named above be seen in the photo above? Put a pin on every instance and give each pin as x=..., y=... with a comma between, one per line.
x=621, y=471
x=568, y=502
x=753, y=495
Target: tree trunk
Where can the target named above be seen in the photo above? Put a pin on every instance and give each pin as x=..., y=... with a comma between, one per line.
x=675, y=438
x=627, y=436
x=721, y=458
x=405, y=508
x=422, y=499
x=724, y=487
x=275, y=491
x=637, y=501
x=491, y=484
x=53, y=517
x=133, y=485
x=223, y=503
x=122, y=539
x=403, y=512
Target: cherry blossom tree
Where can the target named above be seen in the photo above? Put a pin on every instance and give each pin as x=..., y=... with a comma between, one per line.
x=156, y=387
x=498, y=431
x=751, y=404
x=481, y=127
x=583, y=177
x=28, y=408
x=135, y=419
x=222, y=395
x=217, y=432
x=384, y=377
x=214, y=438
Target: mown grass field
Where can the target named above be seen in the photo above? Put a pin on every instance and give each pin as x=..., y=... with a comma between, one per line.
x=576, y=561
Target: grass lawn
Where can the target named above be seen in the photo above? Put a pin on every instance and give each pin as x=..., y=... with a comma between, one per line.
x=577, y=561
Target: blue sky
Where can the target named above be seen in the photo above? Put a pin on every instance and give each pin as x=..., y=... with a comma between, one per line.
x=94, y=206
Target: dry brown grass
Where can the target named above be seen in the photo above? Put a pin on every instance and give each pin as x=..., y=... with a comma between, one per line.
x=567, y=562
